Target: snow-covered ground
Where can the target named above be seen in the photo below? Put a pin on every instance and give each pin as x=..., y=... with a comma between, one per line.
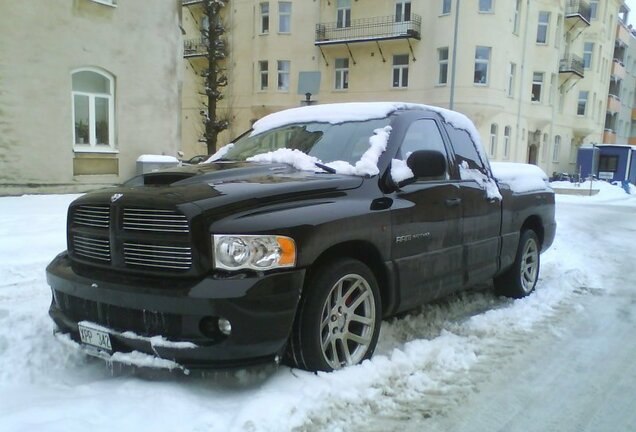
x=428, y=363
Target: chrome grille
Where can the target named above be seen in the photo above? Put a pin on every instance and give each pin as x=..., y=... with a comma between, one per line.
x=91, y=248
x=136, y=219
x=158, y=256
x=97, y=216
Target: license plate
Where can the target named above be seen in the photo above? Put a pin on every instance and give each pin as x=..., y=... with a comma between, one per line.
x=94, y=337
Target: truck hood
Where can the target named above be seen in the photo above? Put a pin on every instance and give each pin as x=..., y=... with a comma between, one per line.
x=219, y=184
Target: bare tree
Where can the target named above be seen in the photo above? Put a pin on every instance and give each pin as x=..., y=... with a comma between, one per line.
x=214, y=78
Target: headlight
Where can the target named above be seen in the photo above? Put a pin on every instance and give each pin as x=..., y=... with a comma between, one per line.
x=256, y=252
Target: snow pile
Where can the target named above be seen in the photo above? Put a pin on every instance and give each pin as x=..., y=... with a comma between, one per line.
x=607, y=192
x=400, y=171
x=520, y=177
x=220, y=153
x=485, y=182
x=157, y=159
x=366, y=166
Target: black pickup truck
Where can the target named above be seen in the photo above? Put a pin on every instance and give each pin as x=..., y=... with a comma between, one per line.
x=294, y=242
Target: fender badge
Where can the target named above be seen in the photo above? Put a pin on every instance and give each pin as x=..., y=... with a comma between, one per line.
x=115, y=197
x=94, y=285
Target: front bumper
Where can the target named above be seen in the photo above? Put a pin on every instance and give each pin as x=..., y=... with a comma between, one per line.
x=261, y=309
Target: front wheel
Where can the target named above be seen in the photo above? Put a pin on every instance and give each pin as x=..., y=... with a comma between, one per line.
x=520, y=279
x=339, y=318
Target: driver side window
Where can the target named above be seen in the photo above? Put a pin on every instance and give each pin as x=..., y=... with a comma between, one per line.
x=422, y=135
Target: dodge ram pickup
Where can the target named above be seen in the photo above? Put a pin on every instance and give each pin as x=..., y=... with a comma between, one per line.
x=296, y=240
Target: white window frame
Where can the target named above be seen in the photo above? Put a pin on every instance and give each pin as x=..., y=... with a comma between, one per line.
x=481, y=61
x=507, y=133
x=403, y=10
x=584, y=95
x=490, y=9
x=494, y=132
x=283, y=68
x=343, y=13
x=588, y=53
x=341, y=78
x=401, y=69
x=92, y=145
x=447, y=7
x=264, y=7
x=516, y=17
x=263, y=73
x=556, y=152
x=537, y=83
x=546, y=25
x=443, y=65
x=594, y=9
x=284, y=16
x=512, y=78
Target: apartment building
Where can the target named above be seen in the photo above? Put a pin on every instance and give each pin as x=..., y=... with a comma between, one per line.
x=86, y=86
x=532, y=75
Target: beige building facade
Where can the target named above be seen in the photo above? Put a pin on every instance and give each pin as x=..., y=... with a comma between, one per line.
x=532, y=74
x=86, y=87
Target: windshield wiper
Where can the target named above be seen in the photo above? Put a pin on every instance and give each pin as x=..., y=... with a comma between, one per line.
x=325, y=168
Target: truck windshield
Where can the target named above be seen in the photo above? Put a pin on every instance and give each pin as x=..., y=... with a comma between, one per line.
x=324, y=141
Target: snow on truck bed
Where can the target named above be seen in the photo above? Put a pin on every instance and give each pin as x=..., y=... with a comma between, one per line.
x=519, y=176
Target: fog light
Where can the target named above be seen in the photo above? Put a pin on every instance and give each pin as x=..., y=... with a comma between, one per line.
x=225, y=326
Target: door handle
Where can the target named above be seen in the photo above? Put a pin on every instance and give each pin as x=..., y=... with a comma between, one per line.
x=453, y=202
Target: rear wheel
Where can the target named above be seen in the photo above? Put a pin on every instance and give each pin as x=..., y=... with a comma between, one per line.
x=339, y=318
x=521, y=279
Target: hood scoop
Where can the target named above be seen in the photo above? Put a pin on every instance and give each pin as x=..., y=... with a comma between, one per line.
x=165, y=178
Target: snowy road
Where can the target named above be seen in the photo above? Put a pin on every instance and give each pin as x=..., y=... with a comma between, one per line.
x=559, y=360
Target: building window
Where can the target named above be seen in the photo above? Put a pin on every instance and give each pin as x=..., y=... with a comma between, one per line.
x=537, y=86
x=284, y=17
x=557, y=149
x=284, y=67
x=516, y=17
x=263, y=74
x=493, y=140
x=264, y=17
x=553, y=88
x=402, y=10
x=401, y=70
x=588, y=49
x=506, y=142
x=608, y=163
x=542, y=27
x=343, y=13
x=93, y=109
x=446, y=7
x=593, y=9
x=486, y=6
x=582, y=105
x=544, y=146
x=482, y=60
x=342, y=73
x=512, y=74
x=442, y=55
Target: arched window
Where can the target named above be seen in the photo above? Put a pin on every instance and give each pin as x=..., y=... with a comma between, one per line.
x=506, y=142
x=93, y=109
x=544, y=147
x=556, y=154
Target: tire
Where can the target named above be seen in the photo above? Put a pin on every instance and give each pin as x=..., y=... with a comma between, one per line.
x=338, y=319
x=520, y=279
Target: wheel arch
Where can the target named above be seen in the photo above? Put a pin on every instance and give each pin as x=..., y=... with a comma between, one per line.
x=368, y=254
x=535, y=224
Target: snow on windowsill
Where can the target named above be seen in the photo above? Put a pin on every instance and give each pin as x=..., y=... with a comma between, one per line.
x=94, y=149
x=149, y=158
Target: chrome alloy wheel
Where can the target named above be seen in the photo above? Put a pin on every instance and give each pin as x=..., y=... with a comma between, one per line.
x=347, y=321
x=529, y=265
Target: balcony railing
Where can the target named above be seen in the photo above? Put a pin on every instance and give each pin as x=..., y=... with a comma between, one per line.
x=195, y=47
x=578, y=9
x=369, y=29
x=572, y=64
x=190, y=2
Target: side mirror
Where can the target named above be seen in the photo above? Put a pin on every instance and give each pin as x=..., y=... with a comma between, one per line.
x=427, y=163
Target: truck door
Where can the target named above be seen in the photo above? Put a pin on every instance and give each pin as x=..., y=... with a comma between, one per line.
x=481, y=214
x=426, y=220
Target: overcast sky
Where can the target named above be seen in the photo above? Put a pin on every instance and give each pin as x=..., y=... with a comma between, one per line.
x=632, y=10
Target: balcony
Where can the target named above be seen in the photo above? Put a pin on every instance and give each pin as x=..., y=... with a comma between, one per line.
x=634, y=114
x=572, y=65
x=609, y=136
x=622, y=35
x=578, y=14
x=195, y=47
x=613, y=104
x=618, y=70
x=632, y=140
x=369, y=29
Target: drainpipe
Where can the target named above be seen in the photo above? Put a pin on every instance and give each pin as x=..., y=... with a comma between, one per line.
x=454, y=59
x=522, y=70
